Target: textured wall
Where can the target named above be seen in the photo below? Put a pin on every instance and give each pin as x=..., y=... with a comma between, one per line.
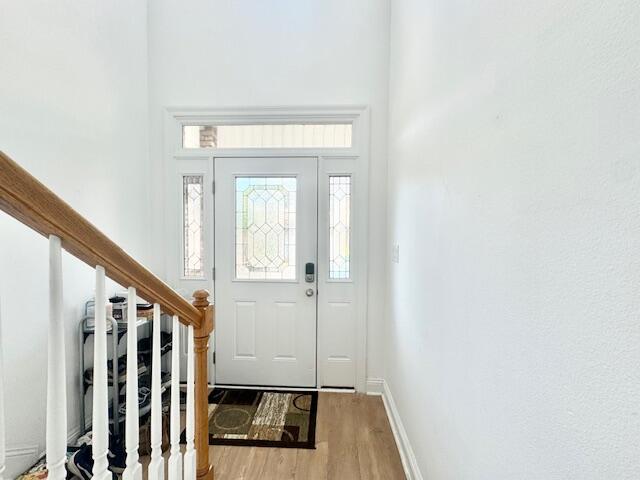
x=514, y=195
x=281, y=52
x=73, y=111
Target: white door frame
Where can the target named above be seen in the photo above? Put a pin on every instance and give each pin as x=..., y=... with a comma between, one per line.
x=179, y=161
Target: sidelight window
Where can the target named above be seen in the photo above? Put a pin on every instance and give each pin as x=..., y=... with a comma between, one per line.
x=339, y=227
x=193, y=223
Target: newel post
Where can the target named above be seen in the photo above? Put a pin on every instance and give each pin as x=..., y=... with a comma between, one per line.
x=201, y=339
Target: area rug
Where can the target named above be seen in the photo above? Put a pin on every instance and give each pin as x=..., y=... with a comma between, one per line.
x=262, y=418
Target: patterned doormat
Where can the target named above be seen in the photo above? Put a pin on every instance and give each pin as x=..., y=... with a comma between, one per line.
x=262, y=418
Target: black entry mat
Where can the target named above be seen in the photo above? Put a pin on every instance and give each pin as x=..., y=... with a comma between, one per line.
x=262, y=418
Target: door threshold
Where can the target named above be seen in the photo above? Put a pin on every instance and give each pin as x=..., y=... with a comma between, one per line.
x=267, y=387
x=295, y=389
x=338, y=390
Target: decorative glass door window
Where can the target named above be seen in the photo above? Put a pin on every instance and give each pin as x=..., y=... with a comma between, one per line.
x=265, y=228
x=193, y=218
x=339, y=227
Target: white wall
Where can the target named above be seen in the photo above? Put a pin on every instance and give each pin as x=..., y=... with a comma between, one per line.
x=281, y=52
x=514, y=195
x=73, y=111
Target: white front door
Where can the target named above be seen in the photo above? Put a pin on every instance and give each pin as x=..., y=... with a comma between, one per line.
x=265, y=243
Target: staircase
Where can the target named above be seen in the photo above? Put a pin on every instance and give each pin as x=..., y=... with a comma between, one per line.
x=29, y=201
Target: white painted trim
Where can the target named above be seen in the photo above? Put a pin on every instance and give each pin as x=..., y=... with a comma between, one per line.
x=19, y=451
x=259, y=387
x=73, y=435
x=265, y=115
x=408, y=458
x=172, y=218
x=174, y=158
x=375, y=386
x=21, y=457
x=287, y=389
x=336, y=390
x=194, y=154
x=24, y=451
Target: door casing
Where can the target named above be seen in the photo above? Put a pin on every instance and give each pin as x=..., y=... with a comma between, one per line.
x=180, y=161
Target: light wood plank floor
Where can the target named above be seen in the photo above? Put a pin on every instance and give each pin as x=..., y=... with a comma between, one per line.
x=353, y=442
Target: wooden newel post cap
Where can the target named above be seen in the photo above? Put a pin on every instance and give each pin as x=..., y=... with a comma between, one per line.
x=201, y=298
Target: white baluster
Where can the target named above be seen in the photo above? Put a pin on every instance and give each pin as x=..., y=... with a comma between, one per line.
x=156, y=466
x=190, y=453
x=56, y=375
x=175, y=460
x=100, y=418
x=133, y=470
x=2, y=427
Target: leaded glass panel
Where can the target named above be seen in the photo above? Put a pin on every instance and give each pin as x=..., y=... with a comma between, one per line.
x=266, y=228
x=339, y=227
x=193, y=217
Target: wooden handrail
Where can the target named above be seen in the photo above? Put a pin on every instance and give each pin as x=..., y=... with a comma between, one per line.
x=30, y=202
x=23, y=197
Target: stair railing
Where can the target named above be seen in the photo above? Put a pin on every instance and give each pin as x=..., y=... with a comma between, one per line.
x=29, y=201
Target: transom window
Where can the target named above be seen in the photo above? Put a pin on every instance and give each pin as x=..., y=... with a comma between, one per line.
x=325, y=135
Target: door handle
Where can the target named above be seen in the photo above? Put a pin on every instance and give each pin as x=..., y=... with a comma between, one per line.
x=309, y=292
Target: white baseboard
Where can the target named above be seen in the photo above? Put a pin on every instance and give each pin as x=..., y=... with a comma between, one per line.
x=18, y=458
x=73, y=435
x=31, y=451
x=378, y=386
x=22, y=457
x=375, y=386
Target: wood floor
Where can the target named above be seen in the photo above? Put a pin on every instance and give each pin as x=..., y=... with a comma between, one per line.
x=353, y=442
